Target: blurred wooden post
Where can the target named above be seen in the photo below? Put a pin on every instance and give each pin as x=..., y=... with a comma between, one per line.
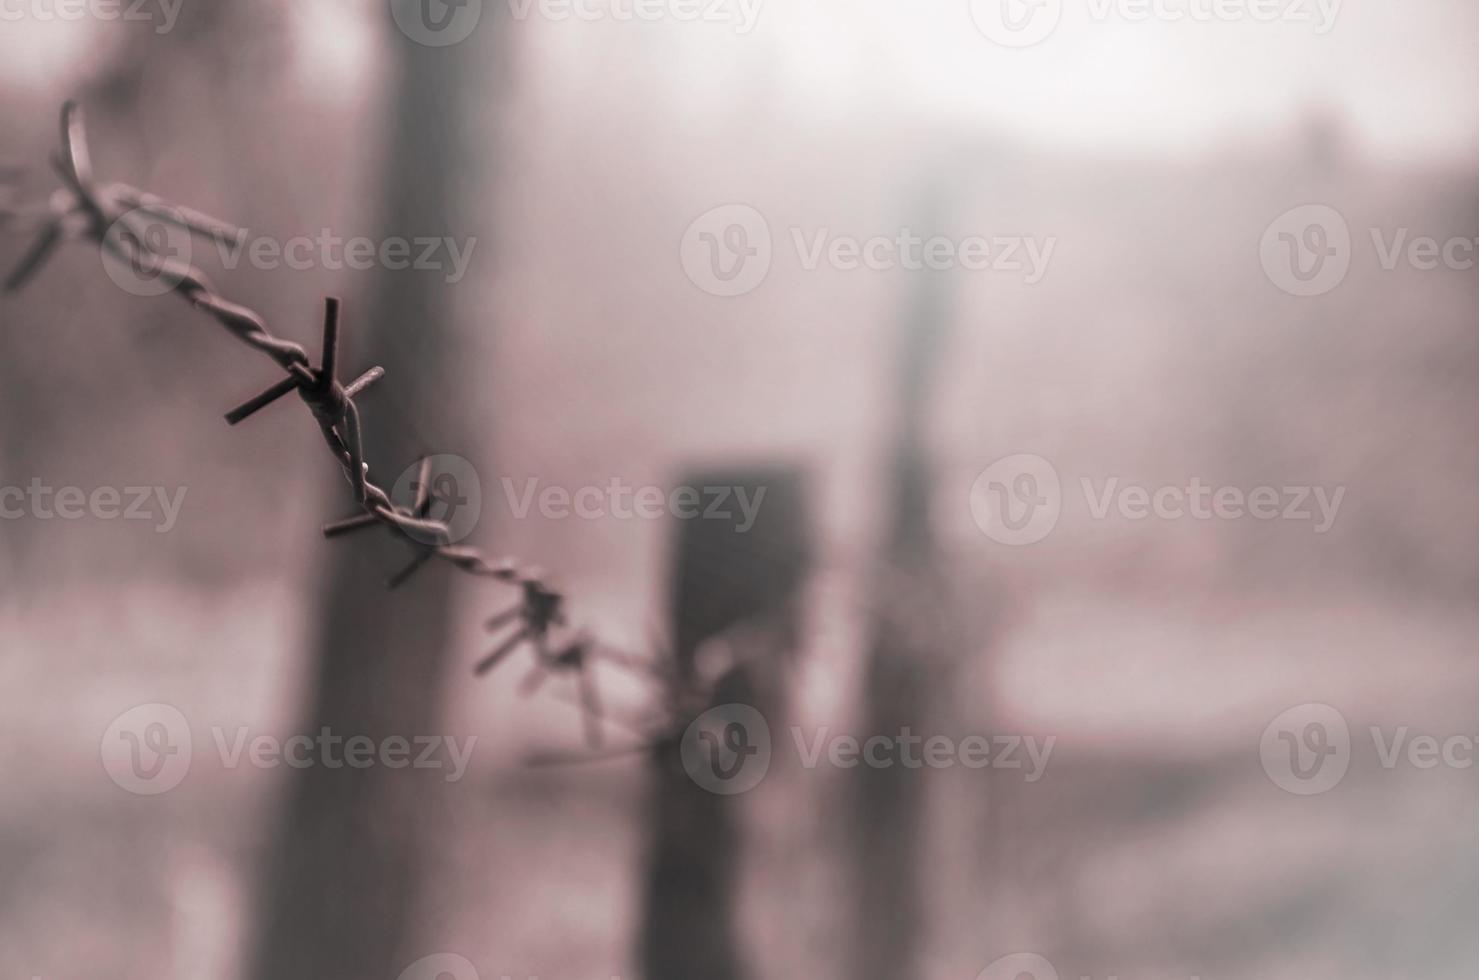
x=725, y=581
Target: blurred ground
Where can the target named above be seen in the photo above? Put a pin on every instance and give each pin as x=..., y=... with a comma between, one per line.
x=1154, y=828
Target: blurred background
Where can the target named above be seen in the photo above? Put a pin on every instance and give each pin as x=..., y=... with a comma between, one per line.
x=645, y=198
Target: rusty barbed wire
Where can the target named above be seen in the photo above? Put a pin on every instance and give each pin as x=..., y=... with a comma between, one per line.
x=108, y=214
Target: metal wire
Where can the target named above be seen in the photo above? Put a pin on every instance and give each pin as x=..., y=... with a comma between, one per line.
x=106, y=214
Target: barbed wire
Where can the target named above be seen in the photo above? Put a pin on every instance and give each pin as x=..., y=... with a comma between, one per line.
x=109, y=214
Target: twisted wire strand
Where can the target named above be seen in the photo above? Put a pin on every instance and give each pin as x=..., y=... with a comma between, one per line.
x=108, y=215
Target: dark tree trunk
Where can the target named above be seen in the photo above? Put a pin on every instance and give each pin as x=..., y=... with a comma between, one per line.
x=908, y=667
x=343, y=883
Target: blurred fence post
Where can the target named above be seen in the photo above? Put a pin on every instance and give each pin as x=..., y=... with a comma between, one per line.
x=725, y=581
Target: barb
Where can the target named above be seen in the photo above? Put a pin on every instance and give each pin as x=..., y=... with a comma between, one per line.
x=106, y=214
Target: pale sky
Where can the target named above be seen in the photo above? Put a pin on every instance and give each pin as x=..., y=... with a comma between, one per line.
x=1402, y=75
